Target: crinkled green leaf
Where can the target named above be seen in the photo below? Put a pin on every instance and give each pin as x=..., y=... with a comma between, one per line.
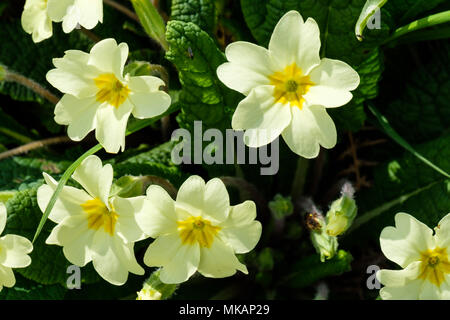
x=156, y=162
x=11, y=131
x=25, y=289
x=406, y=185
x=20, y=54
x=402, y=142
x=17, y=170
x=49, y=266
x=422, y=102
x=197, y=57
x=404, y=11
x=200, y=12
x=309, y=270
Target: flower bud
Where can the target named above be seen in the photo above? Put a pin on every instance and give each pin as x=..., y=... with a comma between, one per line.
x=341, y=215
x=128, y=186
x=2, y=73
x=154, y=289
x=281, y=206
x=324, y=244
x=149, y=294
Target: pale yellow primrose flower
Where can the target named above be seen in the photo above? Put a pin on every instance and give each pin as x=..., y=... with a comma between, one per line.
x=424, y=257
x=14, y=251
x=91, y=225
x=97, y=96
x=38, y=15
x=35, y=20
x=288, y=87
x=86, y=13
x=199, y=231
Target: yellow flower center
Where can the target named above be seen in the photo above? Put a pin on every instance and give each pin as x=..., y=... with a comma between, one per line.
x=98, y=216
x=111, y=90
x=435, y=265
x=197, y=230
x=290, y=85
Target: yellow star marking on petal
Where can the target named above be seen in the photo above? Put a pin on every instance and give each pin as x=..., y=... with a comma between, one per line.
x=111, y=90
x=435, y=265
x=197, y=230
x=290, y=85
x=99, y=216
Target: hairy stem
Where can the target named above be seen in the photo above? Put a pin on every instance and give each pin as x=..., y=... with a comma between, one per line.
x=33, y=145
x=32, y=85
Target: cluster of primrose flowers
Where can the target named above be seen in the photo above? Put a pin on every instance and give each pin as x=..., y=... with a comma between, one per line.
x=287, y=87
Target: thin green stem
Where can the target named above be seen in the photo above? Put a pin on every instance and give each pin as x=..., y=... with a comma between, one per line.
x=386, y=206
x=426, y=22
x=33, y=145
x=402, y=142
x=298, y=185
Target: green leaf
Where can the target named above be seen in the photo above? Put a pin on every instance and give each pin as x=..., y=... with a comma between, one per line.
x=336, y=20
x=17, y=170
x=367, y=12
x=12, y=131
x=406, y=185
x=403, y=11
x=421, y=101
x=151, y=20
x=427, y=22
x=197, y=57
x=25, y=289
x=397, y=138
x=309, y=270
x=20, y=54
x=200, y=12
x=49, y=266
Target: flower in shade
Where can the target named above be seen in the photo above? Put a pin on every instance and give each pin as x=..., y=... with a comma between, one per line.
x=92, y=225
x=86, y=13
x=14, y=252
x=38, y=15
x=287, y=87
x=199, y=231
x=98, y=96
x=35, y=20
x=424, y=256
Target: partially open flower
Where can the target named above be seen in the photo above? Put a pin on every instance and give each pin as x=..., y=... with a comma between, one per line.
x=38, y=15
x=199, y=231
x=35, y=20
x=98, y=96
x=14, y=252
x=86, y=13
x=288, y=86
x=424, y=257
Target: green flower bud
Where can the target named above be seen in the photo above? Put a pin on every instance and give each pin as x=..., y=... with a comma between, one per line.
x=281, y=206
x=154, y=289
x=324, y=244
x=128, y=186
x=2, y=73
x=341, y=215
